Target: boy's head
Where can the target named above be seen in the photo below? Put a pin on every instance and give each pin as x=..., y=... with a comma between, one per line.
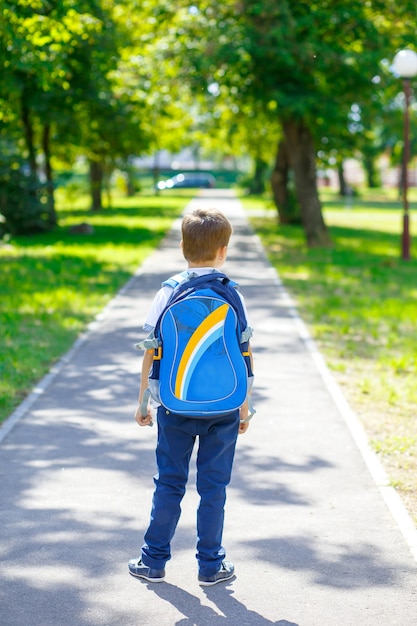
x=204, y=232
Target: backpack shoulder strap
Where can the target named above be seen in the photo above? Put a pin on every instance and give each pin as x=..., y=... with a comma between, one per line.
x=188, y=282
x=220, y=284
x=177, y=279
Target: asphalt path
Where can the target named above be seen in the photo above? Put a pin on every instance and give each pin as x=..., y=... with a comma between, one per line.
x=314, y=538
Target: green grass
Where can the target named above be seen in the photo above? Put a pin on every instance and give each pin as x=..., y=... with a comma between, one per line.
x=53, y=285
x=360, y=301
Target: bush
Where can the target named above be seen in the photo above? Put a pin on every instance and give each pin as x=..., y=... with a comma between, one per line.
x=23, y=203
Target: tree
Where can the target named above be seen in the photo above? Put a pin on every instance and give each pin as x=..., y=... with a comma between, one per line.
x=40, y=37
x=22, y=193
x=162, y=107
x=304, y=63
x=239, y=46
x=62, y=77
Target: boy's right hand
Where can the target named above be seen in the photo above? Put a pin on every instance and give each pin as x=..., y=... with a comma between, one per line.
x=143, y=421
x=243, y=427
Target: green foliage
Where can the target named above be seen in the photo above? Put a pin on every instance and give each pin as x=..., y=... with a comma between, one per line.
x=112, y=80
x=23, y=203
x=326, y=63
x=63, y=71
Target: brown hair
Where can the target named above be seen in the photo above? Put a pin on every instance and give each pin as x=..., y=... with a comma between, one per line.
x=204, y=231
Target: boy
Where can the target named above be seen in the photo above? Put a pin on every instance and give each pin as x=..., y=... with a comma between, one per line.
x=205, y=237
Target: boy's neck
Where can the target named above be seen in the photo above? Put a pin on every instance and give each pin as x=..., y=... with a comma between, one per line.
x=217, y=262
x=205, y=264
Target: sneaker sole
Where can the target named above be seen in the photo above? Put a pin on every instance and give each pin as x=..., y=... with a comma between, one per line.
x=204, y=583
x=147, y=578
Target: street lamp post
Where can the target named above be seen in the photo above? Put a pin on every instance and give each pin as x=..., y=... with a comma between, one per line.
x=405, y=65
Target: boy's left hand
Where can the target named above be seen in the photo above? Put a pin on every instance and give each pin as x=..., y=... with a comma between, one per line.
x=243, y=415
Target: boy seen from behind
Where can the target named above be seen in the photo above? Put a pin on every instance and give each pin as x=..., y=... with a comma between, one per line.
x=205, y=237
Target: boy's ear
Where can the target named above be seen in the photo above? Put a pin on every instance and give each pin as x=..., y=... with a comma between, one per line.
x=181, y=246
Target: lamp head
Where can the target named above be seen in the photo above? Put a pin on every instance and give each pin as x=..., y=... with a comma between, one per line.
x=405, y=63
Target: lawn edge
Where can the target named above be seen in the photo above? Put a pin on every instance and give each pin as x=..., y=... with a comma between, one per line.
x=20, y=411
x=390, y=496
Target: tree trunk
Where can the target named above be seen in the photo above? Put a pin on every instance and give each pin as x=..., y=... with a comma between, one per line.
x=284, y=197
x=52, y=216
x=156, y=172
x=372, y=173
x=96, y=183
x=29, y=137
x=106, y=184
x=302, y=157
x=130, y=184
x=257, y=185
x=343, y=188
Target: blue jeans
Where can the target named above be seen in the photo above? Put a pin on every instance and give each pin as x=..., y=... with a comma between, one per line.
x=216, y=448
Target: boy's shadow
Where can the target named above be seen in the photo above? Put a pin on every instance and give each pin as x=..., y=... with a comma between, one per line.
x=233, y=611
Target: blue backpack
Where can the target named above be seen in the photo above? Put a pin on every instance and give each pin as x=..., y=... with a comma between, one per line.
x=201, y=365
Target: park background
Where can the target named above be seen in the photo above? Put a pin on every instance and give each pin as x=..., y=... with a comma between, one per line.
x=295, y=104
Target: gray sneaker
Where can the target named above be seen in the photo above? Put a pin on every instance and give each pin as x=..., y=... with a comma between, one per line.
x=139, y=570
x=226, y=572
